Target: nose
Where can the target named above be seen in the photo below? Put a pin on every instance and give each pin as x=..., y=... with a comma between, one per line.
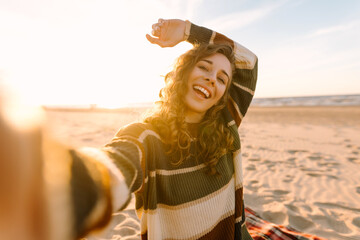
x=211, y=79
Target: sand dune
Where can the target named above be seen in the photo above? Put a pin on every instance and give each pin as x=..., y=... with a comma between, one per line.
x=301, y=165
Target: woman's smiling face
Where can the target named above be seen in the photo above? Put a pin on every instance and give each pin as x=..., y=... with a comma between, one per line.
x=207, y=84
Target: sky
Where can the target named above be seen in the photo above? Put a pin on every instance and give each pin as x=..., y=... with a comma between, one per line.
x=75, y=52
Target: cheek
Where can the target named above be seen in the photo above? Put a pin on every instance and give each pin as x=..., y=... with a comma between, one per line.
x=190, y=79
x=221, y=91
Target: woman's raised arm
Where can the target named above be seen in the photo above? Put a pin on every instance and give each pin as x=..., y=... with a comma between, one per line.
x=170, y=32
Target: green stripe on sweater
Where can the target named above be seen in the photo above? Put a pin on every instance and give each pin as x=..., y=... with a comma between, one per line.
x=178, y=189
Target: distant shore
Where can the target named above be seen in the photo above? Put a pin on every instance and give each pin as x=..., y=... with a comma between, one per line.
x=95, y=109
x=305, y=101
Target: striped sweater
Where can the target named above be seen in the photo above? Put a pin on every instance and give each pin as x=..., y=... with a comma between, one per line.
x=172, y=202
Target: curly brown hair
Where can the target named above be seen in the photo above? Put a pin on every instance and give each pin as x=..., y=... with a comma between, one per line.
x=168, y=117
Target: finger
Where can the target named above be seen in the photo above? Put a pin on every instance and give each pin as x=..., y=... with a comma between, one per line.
x=151, y=39
x=156, y=30
x=154, y=40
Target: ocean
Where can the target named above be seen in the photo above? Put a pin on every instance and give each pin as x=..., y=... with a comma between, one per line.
x=331, y=100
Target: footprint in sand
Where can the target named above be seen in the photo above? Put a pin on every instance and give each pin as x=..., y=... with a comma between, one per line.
x=358, y=190
x=291, y=159
x=336, y=225
x=328, y=164
x=256, y=200
x=356, y=222
x=332, y=177
x=270, y=163
x=293, y=151
x=276, y=195
x=355, y=152
x=349, y=146
x=352, y=159
x=121, y=217
x=251, y=167
x=292, y=208
x=253, y=186
x=126, y=232
x=330, y=205
x=306, y=169
x=312, y=171
x=314, y=158
x=280, y=192
x=307, y=208
x=314, y=174
x=274, y=217
x=288, y=179
x=331, y=159
x=254, y=159
x=299, y=222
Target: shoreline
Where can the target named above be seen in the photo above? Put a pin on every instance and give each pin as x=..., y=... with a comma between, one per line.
x=343, y=115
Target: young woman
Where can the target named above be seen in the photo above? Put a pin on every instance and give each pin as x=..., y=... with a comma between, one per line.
x=183, y=162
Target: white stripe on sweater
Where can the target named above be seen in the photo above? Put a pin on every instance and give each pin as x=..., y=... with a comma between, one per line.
x=239, y=219
x=213, y=34
x=245, y=59
x=244, y=88
x=238, y=169
x=231, y=123
x=175, y=172
x=147, y=133
x=190, y=220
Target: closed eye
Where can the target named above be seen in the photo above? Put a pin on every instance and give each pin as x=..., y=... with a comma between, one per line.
x=203, y=68
x=221, y=80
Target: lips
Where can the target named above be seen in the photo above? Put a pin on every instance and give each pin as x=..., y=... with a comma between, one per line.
x=202, y=91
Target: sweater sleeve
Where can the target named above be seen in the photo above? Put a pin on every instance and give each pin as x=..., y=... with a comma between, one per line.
x=246, y=63
x=102, y=179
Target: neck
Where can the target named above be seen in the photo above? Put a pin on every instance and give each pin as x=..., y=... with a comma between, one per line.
x=193, y=117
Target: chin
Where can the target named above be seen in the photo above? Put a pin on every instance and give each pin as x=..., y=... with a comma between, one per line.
x=197, y=108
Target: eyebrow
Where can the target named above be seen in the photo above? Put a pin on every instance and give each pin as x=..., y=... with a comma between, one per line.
x=222, y=70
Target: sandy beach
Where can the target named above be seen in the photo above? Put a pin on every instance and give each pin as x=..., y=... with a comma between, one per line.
x=301, y=164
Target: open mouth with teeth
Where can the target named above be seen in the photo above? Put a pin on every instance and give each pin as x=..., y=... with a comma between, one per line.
x=202, y=91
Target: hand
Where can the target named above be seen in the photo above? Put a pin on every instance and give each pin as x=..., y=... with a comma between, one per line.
x=167, y=33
